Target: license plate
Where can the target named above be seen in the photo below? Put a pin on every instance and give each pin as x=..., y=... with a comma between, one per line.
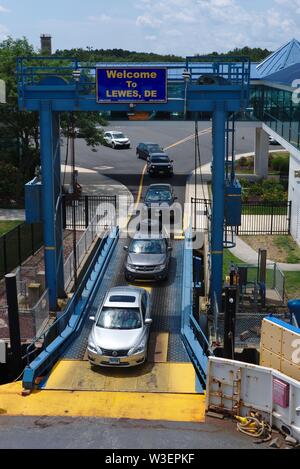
x=161, y=172
x=114, y=361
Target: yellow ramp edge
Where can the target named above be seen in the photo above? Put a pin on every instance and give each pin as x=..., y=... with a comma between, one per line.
x=170, y=377
x=166, y=407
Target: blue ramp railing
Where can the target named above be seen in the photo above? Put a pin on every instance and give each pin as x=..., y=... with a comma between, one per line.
x=194, y=339
x=64, y=330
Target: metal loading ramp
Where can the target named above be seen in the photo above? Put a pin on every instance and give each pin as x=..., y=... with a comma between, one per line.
x=165, y=297
x=168, y=368
x=165, y=388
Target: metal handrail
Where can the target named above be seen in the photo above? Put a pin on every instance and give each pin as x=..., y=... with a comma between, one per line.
x=72, y=319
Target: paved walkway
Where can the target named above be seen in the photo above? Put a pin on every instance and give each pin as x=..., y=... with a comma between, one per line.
x=11, y=214
x=242, y=250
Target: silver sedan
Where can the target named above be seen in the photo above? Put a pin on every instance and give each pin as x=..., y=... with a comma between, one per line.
x=119, y=336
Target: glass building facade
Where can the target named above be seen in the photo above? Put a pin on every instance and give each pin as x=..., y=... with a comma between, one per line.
x=276, y=108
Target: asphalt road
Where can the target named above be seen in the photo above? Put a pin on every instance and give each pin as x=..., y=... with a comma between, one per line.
x=90, y=433
x=123, y=165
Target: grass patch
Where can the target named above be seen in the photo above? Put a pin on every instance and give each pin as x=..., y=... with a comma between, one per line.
x=292, y=284
x=290, y=248
x=8, y=225
x=229, y=258
x=292, y=279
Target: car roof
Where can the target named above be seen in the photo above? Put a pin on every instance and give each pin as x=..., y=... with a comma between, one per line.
x=162, y=153
x=160, y=186
x=123, y=291
x=142, y=236
x=114, y=131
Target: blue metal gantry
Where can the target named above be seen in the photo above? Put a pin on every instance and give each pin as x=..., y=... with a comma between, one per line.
x=50, y=85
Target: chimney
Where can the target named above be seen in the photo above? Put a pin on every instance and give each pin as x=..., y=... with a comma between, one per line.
x=46, y=44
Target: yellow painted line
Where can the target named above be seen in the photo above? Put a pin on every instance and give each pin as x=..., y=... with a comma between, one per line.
x=190, y=137
x=141, y=186
x=170, y=377
x=142, y=285
x=166, y=407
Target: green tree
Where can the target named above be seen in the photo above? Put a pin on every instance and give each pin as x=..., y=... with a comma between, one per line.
x=19, y=130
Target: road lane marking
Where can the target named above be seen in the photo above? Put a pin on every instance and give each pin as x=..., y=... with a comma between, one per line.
x=190, y=137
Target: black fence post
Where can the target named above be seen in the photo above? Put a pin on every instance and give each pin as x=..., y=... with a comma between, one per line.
x=13, y=320
x=64, y=212
x=272, y=215
x=86, y=210
x=289, y=208
x=32, y=239
x=19, y=244
x=5, y=254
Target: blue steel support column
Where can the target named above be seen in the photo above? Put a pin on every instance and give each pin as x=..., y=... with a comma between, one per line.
x=48, y=198
x=58, y=205
x=217, y=224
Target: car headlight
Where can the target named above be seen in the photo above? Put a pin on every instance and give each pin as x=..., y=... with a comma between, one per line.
x=131, y=266
x=159, y=268
x=138, y=348
x=169, y=166
x=93, y=348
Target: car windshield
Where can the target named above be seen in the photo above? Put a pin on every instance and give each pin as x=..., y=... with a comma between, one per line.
x=147, y=246
x=119, y=135
x=120, y=318
x=159, y=159
x=158, y=196
x=153, y=148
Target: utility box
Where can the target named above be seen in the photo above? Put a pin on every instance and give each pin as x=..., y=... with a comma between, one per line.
x=233, y=203
x=281, y=392
x=33, y=201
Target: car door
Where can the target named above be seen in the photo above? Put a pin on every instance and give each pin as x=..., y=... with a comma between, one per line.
x=146, y=153
x=168, y=251
x=145, y=305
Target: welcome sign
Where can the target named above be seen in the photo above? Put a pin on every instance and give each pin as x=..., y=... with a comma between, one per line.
x=131, y=85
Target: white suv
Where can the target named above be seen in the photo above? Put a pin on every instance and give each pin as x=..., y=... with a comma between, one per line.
x=115, y=138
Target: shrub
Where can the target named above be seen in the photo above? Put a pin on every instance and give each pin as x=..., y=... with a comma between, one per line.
x=8, y=180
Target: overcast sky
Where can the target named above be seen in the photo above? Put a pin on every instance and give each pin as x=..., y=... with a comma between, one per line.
x=182, y=27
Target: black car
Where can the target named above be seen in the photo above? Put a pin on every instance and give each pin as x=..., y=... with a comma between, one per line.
x=145, y=150
x=158, y=198
x=159, y=163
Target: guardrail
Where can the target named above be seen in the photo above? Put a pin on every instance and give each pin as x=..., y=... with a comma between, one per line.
x=194, y=339
x=67, y=326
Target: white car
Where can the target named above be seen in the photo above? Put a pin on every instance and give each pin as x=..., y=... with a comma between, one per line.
x=120, y=333
x=272, y=141
x=116, y=139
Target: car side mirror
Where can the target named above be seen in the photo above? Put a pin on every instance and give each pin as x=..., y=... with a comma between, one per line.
x=171, y=161
x=92, y=318
x=170, y=248
x=125, y=248
x=175, y=198
x=148, y=321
